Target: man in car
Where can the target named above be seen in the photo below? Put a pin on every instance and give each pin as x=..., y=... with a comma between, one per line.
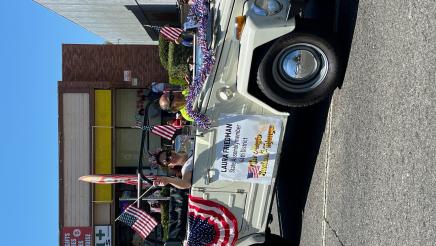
x=175, y=101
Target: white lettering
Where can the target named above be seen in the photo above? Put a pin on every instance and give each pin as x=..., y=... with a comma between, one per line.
x=67, y=239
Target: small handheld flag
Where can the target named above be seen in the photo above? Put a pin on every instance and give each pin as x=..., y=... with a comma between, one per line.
x=169, y=33
x=165, y=131
x=138, y=220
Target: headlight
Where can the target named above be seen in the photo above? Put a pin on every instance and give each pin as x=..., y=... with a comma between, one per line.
x=266, y=7
x=239, y=26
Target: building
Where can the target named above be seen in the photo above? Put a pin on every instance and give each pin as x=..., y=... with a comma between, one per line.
x=101, y=96
x=118, y=21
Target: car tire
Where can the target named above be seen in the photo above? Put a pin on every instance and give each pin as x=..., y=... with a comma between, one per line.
x=298, y=70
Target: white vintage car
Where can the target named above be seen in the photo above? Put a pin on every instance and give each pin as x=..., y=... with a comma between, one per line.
x=263, y=66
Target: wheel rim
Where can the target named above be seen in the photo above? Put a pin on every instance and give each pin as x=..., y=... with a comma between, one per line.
x=300, y=67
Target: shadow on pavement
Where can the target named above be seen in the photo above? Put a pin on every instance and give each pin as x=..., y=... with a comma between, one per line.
x=303, y=138
x=304, y=133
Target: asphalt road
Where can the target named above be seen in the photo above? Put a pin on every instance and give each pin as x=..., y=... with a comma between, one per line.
x=361, y=166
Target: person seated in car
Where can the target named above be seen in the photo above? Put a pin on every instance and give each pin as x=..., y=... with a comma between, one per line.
x=181, y=163
x=175, y=101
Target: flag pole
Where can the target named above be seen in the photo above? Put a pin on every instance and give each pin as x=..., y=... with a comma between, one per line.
x=138, y=205
x=135, y=201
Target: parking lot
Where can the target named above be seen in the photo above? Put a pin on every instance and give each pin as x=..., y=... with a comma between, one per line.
x=359, y=167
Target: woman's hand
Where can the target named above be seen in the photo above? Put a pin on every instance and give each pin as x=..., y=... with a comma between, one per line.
x=160, y=181
x=172, y=165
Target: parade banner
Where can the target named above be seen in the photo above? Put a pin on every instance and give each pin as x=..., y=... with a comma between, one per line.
x=246, y=147
x=76, y=236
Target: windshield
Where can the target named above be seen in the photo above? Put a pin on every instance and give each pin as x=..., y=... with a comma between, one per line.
x=167, y=204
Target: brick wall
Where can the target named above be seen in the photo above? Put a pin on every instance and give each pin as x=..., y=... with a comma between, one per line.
x=83, y=62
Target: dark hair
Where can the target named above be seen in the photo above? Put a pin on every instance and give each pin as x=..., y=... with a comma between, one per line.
x=177, y=170
x=156, y=156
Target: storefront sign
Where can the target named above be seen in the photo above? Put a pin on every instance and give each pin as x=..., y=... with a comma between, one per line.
x=103, y=235
x=247, y=147
x=76, y=236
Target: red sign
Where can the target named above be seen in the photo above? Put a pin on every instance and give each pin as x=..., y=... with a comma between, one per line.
x=76, y=236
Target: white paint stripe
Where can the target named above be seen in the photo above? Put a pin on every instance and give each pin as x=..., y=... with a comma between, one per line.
x=326, y=172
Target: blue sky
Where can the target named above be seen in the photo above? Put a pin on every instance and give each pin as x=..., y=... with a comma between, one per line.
x=30, y=50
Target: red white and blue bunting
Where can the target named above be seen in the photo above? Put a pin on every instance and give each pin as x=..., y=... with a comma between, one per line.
x=210, y=223
x=199, y=14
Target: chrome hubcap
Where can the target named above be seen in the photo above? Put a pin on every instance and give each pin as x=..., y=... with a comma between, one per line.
x=299, y=64
x=300, y=67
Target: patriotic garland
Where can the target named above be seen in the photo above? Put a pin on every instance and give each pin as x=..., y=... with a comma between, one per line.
x=199, y=13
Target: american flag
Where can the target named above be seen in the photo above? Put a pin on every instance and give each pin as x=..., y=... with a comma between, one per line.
x=139, y=220
x=129, y=179
x=155, y=28
x=165, y=131
x=210, y=223
x=171, y=33
x=253, y=171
